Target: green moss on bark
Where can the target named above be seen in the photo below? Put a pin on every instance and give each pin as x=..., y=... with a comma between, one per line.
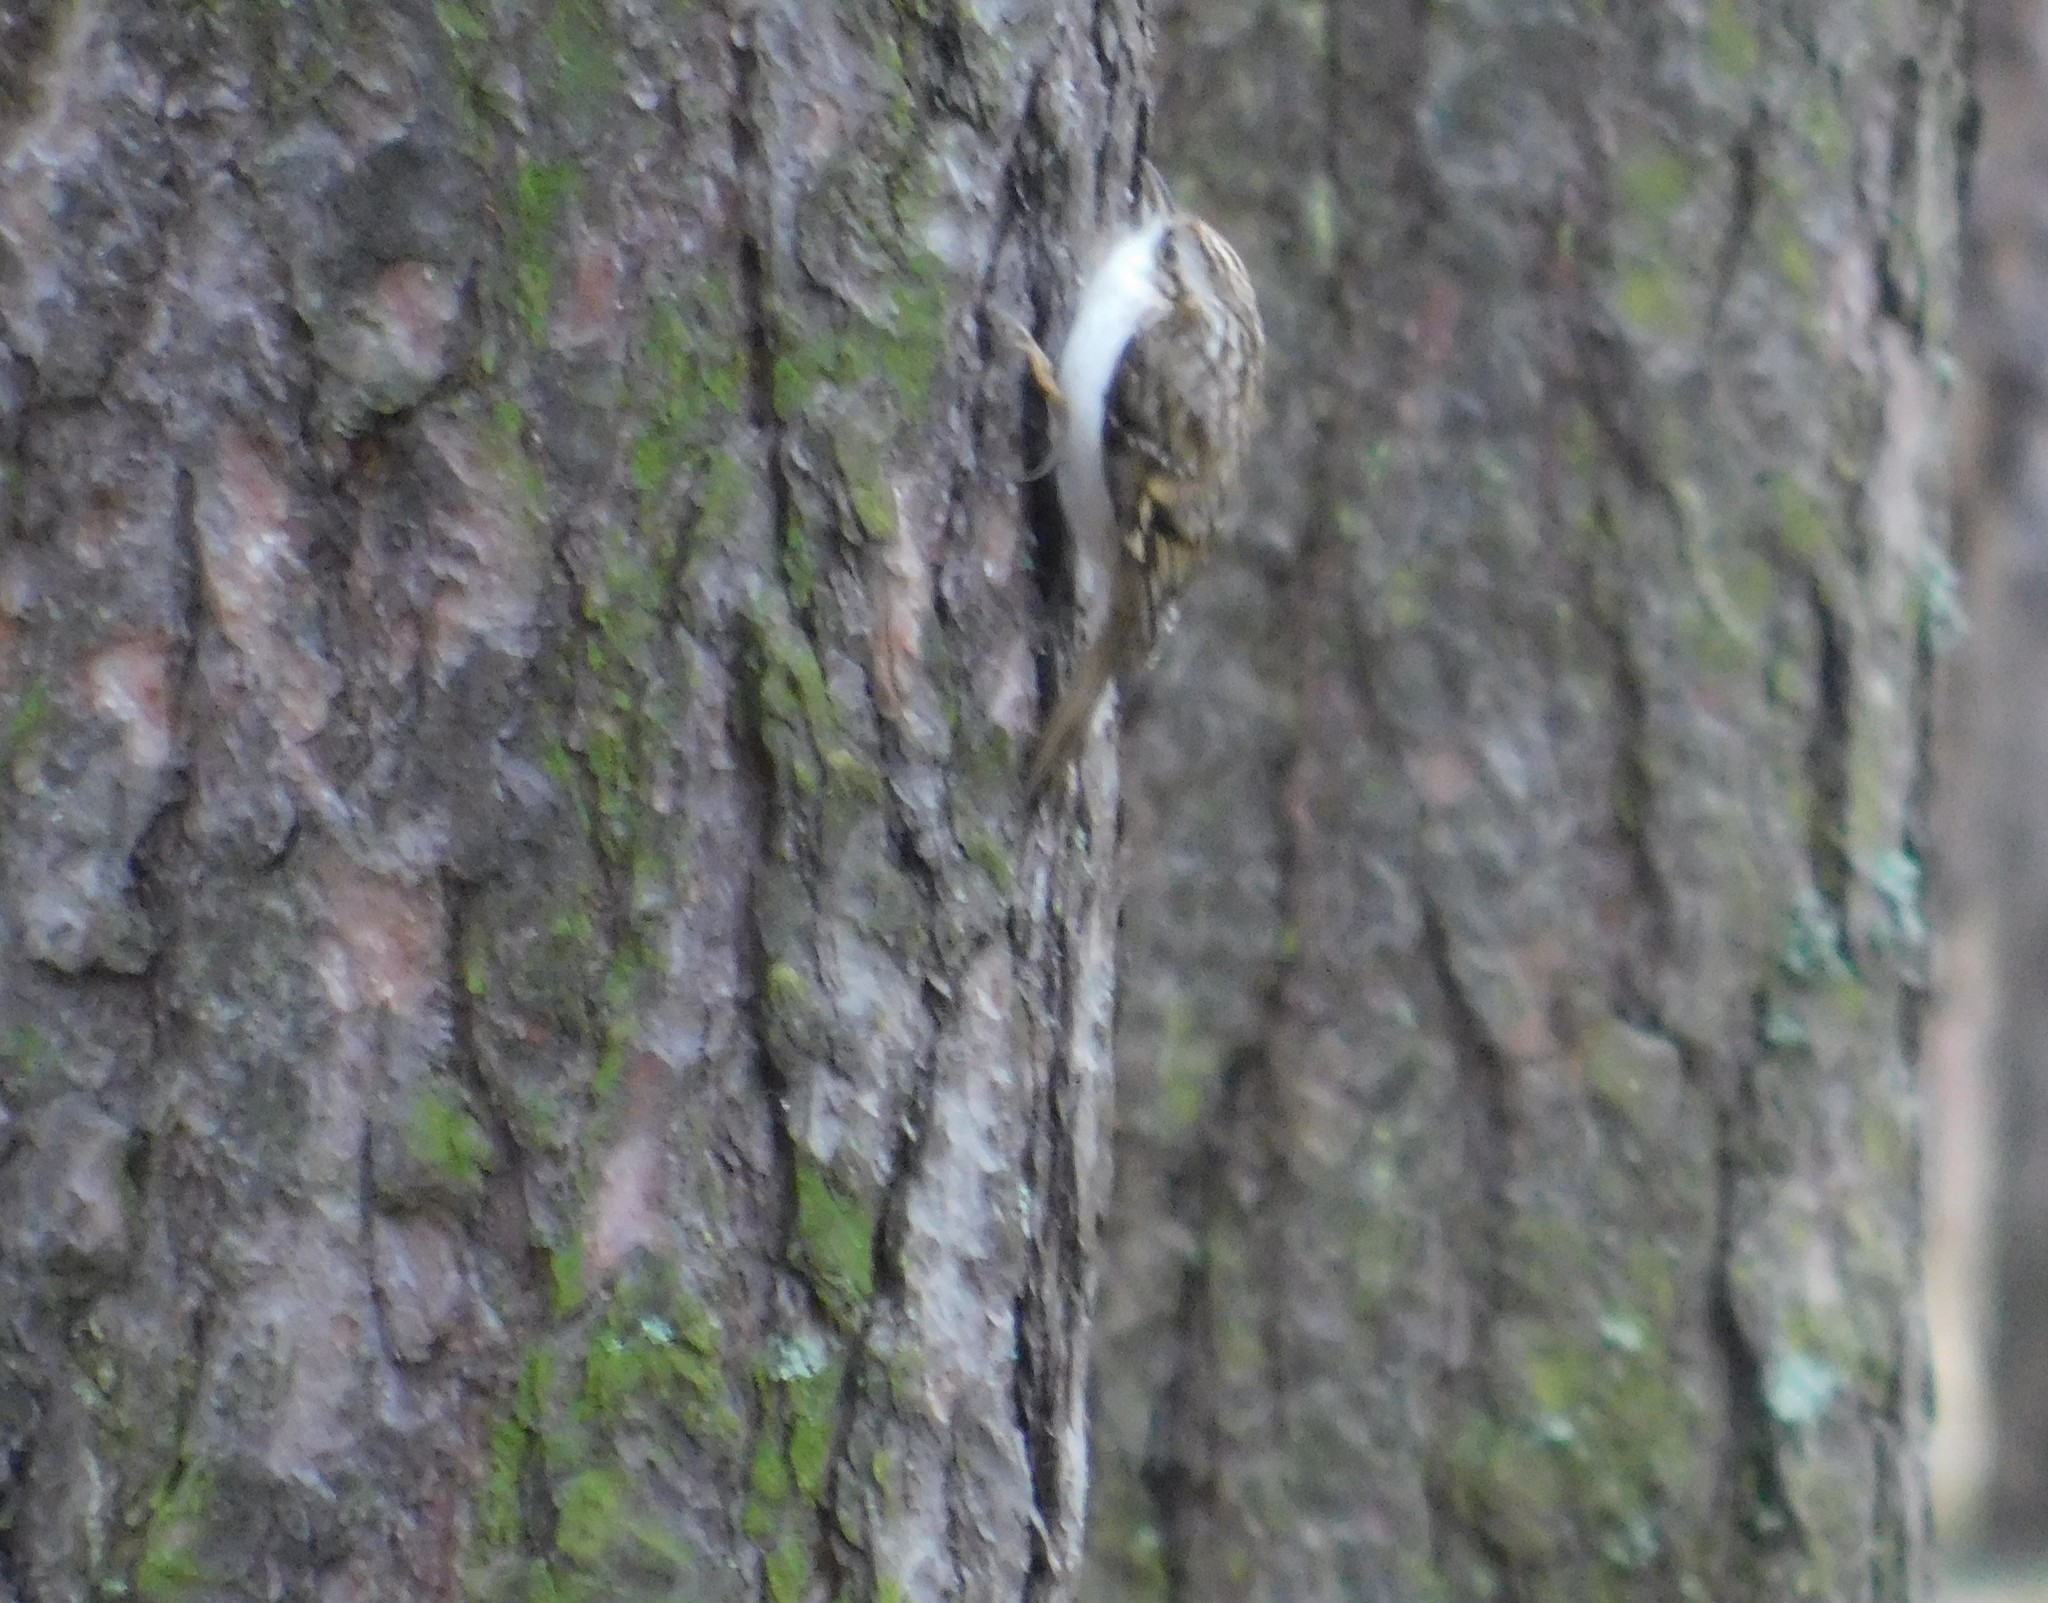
x=170, y=1568
x=442, y=1137
x=650, y=1366
x=834, y=1245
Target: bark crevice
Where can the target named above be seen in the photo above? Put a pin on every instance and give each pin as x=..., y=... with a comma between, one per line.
x=1755, y=1512
x=1827, y=759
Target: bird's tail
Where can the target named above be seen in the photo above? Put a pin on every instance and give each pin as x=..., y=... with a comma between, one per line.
x=1059, y=742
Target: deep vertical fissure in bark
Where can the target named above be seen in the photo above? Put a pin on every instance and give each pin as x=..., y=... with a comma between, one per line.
x=1643, y=966
x=1749, y=1500
x=757, y=315
x=758, y=322
x=1827, y=756
x=1032, y=1392
x=1058, y=1277
x=1107, y=19
x=1746, y=158
x=1897, y=300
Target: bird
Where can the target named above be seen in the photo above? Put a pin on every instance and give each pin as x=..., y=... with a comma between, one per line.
x=1155, y=396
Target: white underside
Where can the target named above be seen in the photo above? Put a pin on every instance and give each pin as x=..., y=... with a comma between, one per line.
x=1118, y=298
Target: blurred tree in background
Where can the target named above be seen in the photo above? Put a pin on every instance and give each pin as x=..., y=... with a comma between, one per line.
x=2005, y=500
x=1524, y=954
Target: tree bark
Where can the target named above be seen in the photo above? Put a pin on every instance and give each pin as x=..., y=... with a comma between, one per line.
x=1524, y=953
x=541, y=1056
x=2007, y=527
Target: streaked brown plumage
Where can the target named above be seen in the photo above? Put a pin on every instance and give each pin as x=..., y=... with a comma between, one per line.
x=1177, y=419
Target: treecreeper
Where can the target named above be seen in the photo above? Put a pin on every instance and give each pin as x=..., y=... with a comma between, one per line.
x=1154, y=401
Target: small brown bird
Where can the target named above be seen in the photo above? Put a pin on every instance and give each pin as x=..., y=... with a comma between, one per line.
x=1158, y=387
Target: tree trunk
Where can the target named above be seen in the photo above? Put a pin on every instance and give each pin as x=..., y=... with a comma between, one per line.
x=2007, y=526
x=540, y=1057
x=1524, y=952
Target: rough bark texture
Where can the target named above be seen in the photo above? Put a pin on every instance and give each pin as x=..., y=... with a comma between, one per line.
x=540, y=1056
x=1523, y=955
x=2005, y=502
